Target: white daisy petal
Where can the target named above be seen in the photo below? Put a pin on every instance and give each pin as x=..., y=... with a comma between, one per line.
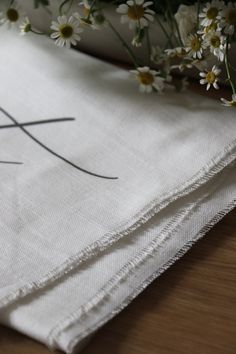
x=122, y=9
x=12, y=15
x=142, y=88
x=147, y=3
x=149, y=17
x=137, y=13
x=66, y=31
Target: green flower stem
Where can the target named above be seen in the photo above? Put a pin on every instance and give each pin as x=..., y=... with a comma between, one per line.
x=164, y=30
x=232, y=67
x=125, y=45
x=148, y=44
x=174, y=22
x=70, y=5
x=198, y=12
x=228, y=68
x=91, y=10
x=139, y=26
x=61, y=6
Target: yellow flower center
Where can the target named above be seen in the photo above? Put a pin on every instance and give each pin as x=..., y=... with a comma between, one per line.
x=195, y=44
x=135, y=12
x=215, y=41
x=146, y=78
x=12, y=15
x=231, y=17
x=212, y=13
x=210, y=77
x=66, y=31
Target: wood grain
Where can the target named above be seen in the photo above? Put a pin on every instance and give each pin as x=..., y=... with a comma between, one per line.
x=190, y=309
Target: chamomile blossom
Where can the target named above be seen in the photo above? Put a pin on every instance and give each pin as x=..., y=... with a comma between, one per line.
x=183, y=66
x=231, y=103
x=136, y=13
x=194, y=46
x=91, y=16
x=11, y=15
x=210, y=77
x=211, y=12
x=25, y=26
x=148, y=79
x=178, y=52
x=216, y=42
x=228, y=15
x=66, y=31
x=214, y=26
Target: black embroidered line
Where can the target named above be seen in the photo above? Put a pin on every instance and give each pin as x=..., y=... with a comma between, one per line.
x=31, y=136
x=11, y=162
x=37, y=122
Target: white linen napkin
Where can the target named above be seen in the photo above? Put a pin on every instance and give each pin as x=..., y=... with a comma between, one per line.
x=77, y=247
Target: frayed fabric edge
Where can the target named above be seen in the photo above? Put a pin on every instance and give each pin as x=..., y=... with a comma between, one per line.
x=215, y=165
x=133, y=264
x=73, y=344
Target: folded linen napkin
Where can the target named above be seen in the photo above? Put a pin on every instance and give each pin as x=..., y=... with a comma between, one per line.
x=107, y=195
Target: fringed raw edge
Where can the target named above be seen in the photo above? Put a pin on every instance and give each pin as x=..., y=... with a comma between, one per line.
x=72, y=345
x=215, y=165
x=112, y=284
x=132, y=265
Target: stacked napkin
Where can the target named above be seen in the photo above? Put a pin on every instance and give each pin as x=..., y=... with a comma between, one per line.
x=110, y=186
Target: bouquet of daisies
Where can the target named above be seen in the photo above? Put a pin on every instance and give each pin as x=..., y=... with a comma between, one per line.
x=198, y=35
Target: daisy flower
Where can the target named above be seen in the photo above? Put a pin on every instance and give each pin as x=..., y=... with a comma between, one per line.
x=178, y=52
x=194, y=46
x=229, y=18
x=214, y=26
x=66, y=31
x=217, y=44
x=231, y=103
x=91, y=16
x=136, y=13
x=25, y=26
x=211, y=12
x=210, y=77
x=11, y=16
x=148, y=79
x=183, y=66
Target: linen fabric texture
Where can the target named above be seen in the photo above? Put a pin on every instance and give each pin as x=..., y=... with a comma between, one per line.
x=77, y=247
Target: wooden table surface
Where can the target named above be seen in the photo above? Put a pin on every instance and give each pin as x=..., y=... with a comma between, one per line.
x=190, y=309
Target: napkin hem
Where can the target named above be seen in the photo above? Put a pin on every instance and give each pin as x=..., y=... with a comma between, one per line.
x=220, y=161
x=72, y=345
x=135, y=262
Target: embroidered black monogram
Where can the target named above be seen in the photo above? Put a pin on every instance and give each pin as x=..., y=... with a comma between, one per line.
x=21, y=126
